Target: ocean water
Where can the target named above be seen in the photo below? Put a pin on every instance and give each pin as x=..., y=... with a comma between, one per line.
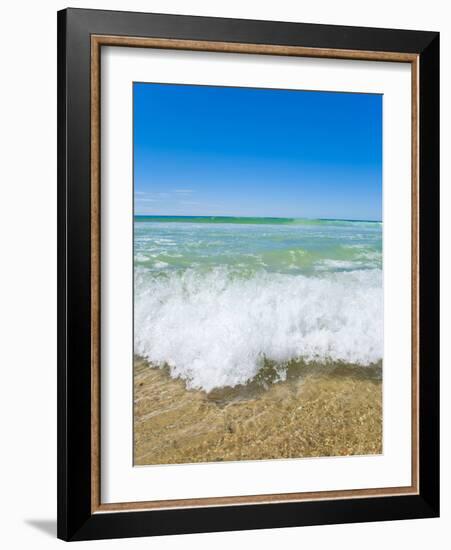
x=217, y=299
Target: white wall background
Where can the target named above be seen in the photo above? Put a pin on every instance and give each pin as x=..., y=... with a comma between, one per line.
x=28, y=271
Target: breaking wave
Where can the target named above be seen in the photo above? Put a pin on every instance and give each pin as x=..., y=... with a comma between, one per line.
x=217, y=328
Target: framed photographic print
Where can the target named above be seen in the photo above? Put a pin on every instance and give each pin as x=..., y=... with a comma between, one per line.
x=248, y=274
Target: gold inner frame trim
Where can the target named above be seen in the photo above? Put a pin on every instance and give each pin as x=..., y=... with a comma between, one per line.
x=97, y=41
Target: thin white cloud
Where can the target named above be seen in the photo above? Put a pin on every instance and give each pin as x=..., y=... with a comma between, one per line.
x=152, y=195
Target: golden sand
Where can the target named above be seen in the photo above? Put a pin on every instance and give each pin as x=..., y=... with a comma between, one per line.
x=335, y=411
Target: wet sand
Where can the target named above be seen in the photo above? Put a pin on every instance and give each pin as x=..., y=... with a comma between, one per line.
x=316, y=411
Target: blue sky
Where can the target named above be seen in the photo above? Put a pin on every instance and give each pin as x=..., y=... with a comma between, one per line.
x=205, y=150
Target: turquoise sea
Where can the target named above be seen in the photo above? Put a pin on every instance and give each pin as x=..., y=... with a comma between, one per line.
x=217, y=297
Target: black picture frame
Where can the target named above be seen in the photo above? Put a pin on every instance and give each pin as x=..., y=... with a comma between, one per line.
x=76, y=521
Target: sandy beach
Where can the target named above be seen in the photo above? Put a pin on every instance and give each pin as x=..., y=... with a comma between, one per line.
x=317, y=411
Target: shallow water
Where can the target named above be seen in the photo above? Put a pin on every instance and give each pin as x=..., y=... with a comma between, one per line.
x=314, y=413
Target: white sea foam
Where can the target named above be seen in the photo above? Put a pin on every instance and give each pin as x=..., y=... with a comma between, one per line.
x=141, y=257
x=160, y=265
x=370, y=255
x=215, y=329
x=323, y=265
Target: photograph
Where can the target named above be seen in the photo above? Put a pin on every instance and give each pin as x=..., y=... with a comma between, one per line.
x=258, y=273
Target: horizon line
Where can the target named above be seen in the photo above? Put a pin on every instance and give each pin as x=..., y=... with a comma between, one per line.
x=254, y=217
